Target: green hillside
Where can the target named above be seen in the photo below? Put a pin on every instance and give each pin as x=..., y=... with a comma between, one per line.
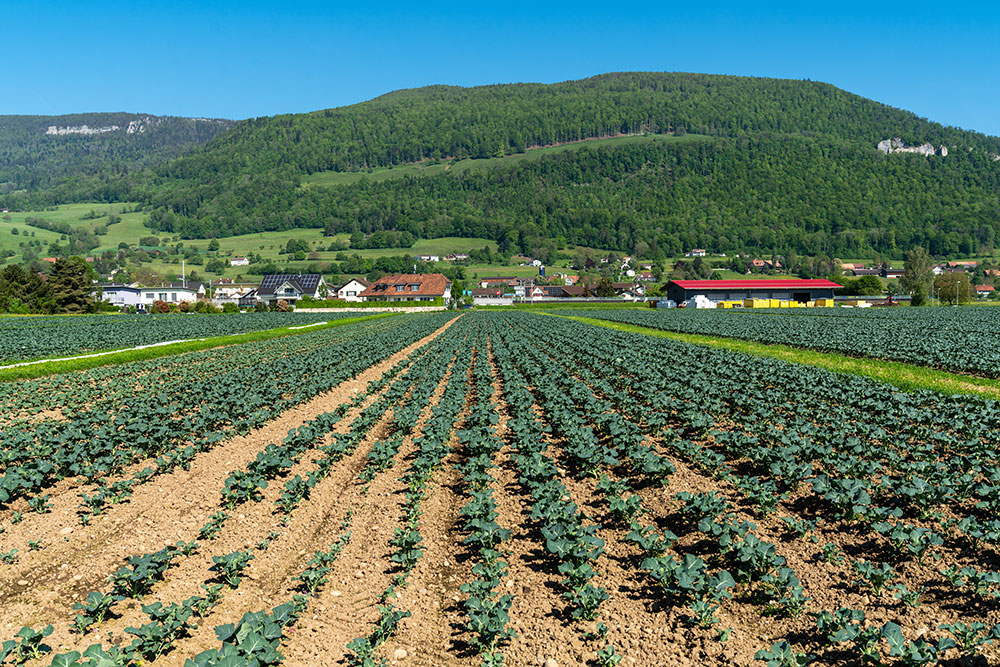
x=653, y=163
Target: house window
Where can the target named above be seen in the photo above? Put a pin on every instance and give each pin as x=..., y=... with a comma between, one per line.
x=414, y=288
x=173, y=296
x=163, y=296
x=399, y=288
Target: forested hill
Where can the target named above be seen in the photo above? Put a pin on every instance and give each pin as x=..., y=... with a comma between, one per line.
x=76, y=152
x=721, y=162
x=449, y=121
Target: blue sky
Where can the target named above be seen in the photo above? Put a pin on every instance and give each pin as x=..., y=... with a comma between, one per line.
x=244, y=59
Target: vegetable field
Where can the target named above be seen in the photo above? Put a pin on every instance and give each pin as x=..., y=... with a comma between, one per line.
x=486, y=489
x=40, y=337
x=958, y=339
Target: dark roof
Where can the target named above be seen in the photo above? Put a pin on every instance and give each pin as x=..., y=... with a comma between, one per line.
x=305, y=283
x=360, y=280
x=755, y=284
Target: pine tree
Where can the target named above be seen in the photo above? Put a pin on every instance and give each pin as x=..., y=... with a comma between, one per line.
x=72, y=289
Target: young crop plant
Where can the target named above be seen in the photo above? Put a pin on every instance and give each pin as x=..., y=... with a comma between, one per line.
x=839, y=626
x=608, y=657
x=243, y=487
x=782, y=654
x=699, y=506
x=874, y=577
x=915, y=653
x=167, y=624
x=31, y=646
x=252, y=641
x=969, y=638
x=650, y=541
x=908, y=541
x=201, y=605
x=800, y=527
x=213, y=527
x=142, y=572
x=907, y=597
x=93, y=610
x=231, y=566
x=832, y=554
x=40, y=504
x=624, y=509
x=363, y=648
x=984, y=585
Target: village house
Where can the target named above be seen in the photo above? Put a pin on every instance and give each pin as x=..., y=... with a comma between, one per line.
x=239, y=261
x=697, y=252
x=456, y=257
x=409, y=287
x=226, y=290
x=984, y=290
x=290, y=287
x=122, y=295
x=173, y=293
x=352, y=289
x=429, y=258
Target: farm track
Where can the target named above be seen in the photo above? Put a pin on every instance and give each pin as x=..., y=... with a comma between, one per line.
x=42, y=586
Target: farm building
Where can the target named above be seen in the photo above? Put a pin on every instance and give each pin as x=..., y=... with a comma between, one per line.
x=739, y=290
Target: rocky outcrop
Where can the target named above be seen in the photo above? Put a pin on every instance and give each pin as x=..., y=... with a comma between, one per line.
x=897, y=145
x=80, y=129
x=136, y=126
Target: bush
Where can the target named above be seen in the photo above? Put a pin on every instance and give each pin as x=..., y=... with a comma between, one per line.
x=230, y=308
x=161, y=306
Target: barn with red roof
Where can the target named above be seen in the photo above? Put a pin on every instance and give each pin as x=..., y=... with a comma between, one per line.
x=738, y=290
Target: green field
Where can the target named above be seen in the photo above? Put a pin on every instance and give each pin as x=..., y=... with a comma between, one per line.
x=267, y=244
x=129, y=230
x=335, y=178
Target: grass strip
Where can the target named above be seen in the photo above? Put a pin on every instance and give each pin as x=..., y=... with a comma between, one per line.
x=126, y=356
x=908, y=377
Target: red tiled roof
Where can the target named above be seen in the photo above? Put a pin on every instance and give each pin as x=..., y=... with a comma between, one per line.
x=984, y=288
x=755, y=284
x=429, y=284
